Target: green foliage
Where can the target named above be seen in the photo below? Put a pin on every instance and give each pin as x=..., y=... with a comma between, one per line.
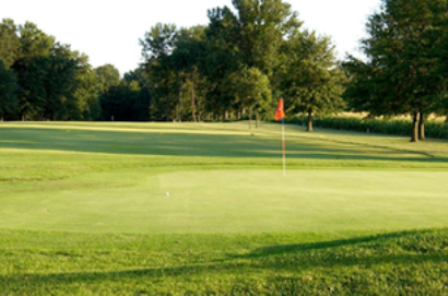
x=125, y=102
x=405, y=50
x=258, y=35
x=195, y=91
x=53, y=82
x=251, y=89
x=34, y=42
x=259, y=28
x=9, y=43
x=88, y=89
x=219, y=50
x=107, y=76
x=8, y=88
x=161, y=69
x=201, y=72
x=434, y=129
x=251, y=37
x=311, y=80
x=159, y=42
x=60, y=84
x=47, y=85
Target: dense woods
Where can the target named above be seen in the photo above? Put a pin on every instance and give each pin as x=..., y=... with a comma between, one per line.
x=237, y=67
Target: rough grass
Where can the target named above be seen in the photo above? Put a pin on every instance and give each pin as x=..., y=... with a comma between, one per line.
x=83, y=211
x=398, y=263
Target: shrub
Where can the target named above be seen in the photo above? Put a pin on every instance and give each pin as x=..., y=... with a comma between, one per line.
x=402, y=127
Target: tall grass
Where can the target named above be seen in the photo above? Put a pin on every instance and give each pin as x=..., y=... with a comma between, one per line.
x=402, y=127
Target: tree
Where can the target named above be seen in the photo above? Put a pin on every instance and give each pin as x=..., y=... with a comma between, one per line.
x=88, y=90
x=251, y=88
x=196, y=87
x=32, y=92
x=9, y=53
x=142, y=105
x=46, y=72
x=250, y=38
x=34, y=42
x=107, y=76
x=8, y=88
x=186, y=57
x=60, y=82
x=402, y=73
x=199, y=62
x=9, y=43
x=311, y=80
x=47, y=84
x=260, y=26
x=120, y=102
x=219, y=49
x=35, y=48
x=157, y=47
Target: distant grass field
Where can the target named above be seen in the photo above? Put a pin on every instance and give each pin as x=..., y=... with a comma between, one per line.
x=84, y=210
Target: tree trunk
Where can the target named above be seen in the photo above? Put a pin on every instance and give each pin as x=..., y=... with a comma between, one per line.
x=310, y=121
x=250, y=118
x=179, y=108
x=167, y=101
x=415, y=128
x=193, y=104
x=257, y=116
x=421, y=127
x=1, y=118
x=166, y=109
x=23, y=117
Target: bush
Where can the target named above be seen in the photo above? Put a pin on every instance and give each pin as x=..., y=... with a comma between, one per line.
x=401, y=127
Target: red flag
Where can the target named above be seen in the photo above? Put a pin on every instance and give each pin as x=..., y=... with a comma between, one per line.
x=280, y=113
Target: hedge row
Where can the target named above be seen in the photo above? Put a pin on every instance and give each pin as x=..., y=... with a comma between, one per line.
x=402, y=127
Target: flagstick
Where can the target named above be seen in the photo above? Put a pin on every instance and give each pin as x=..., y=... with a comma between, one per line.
x=283, y=144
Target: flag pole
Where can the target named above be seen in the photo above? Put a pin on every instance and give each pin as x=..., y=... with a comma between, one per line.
x=280, y=114
x=284, y=148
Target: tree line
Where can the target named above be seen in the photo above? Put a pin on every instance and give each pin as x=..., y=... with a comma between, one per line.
x=42, y=79
x=237, y=67
x=234, y=67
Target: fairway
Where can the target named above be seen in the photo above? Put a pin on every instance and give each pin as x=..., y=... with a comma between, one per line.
x=102, y=187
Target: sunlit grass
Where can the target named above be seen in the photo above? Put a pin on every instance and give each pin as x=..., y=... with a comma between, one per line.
x=84, y=210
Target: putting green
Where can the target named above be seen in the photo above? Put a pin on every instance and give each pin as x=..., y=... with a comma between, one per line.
x=228, y=201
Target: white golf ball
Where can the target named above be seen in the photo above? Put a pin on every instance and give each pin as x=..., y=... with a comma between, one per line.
x=167, y=194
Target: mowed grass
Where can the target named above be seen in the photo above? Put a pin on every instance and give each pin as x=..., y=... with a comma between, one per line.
x=84, y=210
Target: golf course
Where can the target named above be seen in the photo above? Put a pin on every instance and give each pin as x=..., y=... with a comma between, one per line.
x=204, y=208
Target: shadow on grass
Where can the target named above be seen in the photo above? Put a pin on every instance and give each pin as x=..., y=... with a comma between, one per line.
x=200, y=145
x=401, y=248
